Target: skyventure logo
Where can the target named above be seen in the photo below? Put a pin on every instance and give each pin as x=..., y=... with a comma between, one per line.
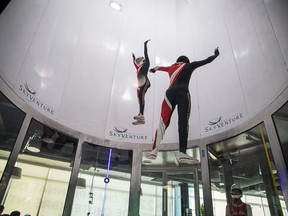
x=122, y=133
x=219, y=122
x=30, y=95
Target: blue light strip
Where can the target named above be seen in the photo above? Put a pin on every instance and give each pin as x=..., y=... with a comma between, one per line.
x=105, y=188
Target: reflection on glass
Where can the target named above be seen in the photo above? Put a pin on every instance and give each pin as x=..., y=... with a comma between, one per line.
x=45, y=162
x=107, y=174
x=43, y=141
x=171, y=188
x=11, y=119
x=40, y=189
x=281, y=122
x=246, y=161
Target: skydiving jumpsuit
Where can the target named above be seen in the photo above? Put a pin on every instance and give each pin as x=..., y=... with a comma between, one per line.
x=241, y=209
x=142, y=75
x=178, y=94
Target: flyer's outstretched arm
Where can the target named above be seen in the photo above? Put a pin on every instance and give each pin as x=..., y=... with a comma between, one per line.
x=208, y=60
x=146, y=52
x=134, y=61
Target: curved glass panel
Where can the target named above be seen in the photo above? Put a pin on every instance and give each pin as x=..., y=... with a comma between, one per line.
x=246, y=161
x=11, y=119
x=280, y=119
x=42, y=141
x=170, y=187
x=103, y=182
x=44, y=165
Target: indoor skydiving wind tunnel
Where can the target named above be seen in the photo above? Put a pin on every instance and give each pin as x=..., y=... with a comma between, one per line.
x=70, y=97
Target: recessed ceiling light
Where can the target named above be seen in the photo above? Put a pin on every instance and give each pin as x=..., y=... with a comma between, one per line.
x=115, y=5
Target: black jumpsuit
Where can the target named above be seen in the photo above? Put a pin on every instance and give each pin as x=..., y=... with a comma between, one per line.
x=142, y=76
x=178, y=94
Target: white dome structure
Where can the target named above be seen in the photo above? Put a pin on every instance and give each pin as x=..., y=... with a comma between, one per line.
x=71, y=61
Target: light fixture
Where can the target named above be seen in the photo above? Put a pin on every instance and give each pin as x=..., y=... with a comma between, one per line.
x=17, y=171
x=115, y=5
x=34, y=148
x=33, y=144
x=81, y=183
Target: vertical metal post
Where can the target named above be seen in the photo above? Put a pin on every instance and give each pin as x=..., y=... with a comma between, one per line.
x=135, y=181
x=164, y=194
x=277, y=156
x=184, y=198
x=208, y=205
x=73, y=180
x=196, y=191
x=228, y=179
x=268, y=185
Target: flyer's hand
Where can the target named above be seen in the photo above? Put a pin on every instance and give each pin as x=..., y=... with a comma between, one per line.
x=133, y=55
x=216, y=51
x=146, y=41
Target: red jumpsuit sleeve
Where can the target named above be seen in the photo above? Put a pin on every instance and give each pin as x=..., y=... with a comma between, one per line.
x=134, y=62
x=162, y=68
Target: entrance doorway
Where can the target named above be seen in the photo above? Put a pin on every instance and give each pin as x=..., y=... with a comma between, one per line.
x=169, y=188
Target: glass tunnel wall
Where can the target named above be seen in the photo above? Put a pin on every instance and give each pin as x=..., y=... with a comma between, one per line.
x=105, y=173
x=40, y=179
x=246, y=160
x=281, y=123
x=11, y=119
x=47, y=155
x=170, y=188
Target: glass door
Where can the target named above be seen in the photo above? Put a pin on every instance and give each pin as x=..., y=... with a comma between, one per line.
x=170, y=188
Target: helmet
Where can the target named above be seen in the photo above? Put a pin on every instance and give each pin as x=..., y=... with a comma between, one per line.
x=139, y=60
x=236, y=191
x=184, y=59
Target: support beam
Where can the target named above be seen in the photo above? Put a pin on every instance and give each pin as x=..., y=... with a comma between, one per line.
x=135, y=182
